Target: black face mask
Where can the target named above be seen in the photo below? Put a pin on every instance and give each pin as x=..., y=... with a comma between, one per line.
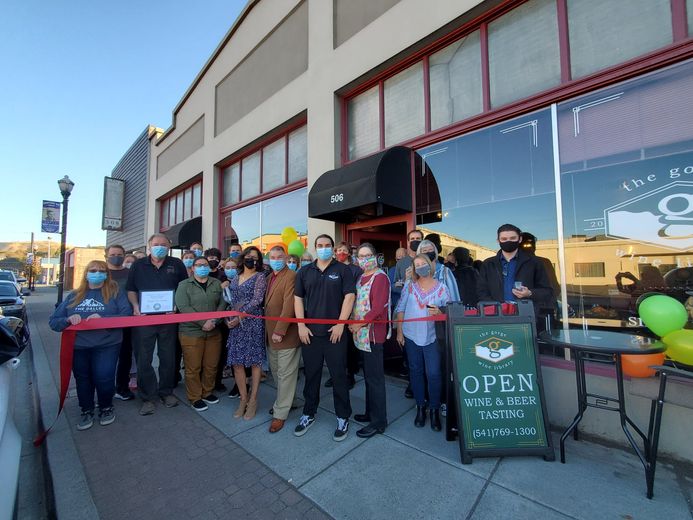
x=431, y=256
x=510, y=246
x=414, y=245
x=251, y=263
x=213, y=264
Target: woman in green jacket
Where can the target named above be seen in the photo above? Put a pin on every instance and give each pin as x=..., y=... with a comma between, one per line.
x=200, y=340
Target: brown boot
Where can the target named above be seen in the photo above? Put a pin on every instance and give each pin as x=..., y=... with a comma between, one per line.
x=241, y=408
x=250, y=409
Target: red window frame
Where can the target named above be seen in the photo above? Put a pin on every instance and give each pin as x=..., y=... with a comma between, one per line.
x=680, y=49
x=171, y=198
x=237, y=158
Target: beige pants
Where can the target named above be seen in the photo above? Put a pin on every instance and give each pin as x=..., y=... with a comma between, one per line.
x=201, y=357
x=284, y=366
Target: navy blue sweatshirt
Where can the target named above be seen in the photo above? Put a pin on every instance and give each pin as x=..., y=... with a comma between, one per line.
x=92, y=304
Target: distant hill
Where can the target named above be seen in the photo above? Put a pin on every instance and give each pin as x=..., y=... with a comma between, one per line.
x=20, y=249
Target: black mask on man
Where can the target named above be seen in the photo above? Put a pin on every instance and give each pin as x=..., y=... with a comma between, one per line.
x=414, y=245
x=213, y=264
x=510, y=245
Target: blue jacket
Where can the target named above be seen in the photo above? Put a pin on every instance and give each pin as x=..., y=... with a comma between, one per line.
x=92, y=303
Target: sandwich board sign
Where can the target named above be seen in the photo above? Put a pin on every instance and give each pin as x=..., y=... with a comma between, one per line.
x=497, y=384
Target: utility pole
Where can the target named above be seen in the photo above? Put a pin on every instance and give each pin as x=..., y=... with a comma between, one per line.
x=31, y=264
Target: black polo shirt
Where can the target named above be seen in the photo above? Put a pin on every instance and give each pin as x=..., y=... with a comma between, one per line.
x=145, y=276
x=323, y=291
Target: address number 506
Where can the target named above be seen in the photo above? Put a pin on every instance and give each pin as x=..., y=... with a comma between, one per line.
x=338, y=197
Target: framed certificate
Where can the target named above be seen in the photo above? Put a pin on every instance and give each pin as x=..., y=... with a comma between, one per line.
x=156, y=302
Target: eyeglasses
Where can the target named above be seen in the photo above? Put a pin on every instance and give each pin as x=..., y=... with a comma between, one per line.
x=96, y=271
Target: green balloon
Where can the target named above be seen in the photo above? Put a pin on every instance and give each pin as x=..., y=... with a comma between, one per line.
x=296, y=248
x=662, y=314
x=680, y=346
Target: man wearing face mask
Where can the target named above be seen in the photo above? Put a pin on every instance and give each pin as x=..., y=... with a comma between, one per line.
x=213, y=256
x=156, y=272
x=235, y=250
x=196, y=249
x=513, y=274
x=403, y=269
x=115, y=257
x=324, y=289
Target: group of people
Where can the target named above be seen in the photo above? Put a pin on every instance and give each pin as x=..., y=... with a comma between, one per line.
x=340, y=285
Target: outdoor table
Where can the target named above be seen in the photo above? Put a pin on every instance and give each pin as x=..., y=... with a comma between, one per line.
x=584, y=343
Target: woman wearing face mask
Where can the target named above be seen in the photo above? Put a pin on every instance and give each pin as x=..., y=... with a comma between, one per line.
x=196, y=249
x=293, y=262
x=306, y=258
x=200, y=340
x=129, y=260
x=230, y=267
x=422, y=296
x=246, y=343
x=188, y=258
x=441, y=273
x=343, y=255
x=96, y=351
x=372, y=303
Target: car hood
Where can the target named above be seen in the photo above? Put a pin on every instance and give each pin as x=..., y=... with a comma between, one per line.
x=8, y=300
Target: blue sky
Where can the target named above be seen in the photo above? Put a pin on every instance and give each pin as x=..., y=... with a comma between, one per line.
x=80, y=81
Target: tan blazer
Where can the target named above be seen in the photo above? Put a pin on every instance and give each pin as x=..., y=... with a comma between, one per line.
x=279, y=302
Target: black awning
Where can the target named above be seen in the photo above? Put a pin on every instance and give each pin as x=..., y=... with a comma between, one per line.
x=375, y=186
x=183, y=234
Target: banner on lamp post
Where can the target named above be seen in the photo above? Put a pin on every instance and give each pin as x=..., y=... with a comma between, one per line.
x=50, y=217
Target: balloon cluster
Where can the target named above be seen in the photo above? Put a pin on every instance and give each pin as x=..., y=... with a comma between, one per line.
x=666, y=317
x=293, y=244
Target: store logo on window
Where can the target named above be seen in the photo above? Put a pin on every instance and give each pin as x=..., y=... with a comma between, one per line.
x=663, y=216
x=494, y=349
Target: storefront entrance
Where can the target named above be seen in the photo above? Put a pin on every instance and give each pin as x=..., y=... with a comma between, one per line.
x=385, y=237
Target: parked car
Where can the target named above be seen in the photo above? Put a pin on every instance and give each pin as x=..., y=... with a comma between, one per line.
x=12, y=300
x=14, y=337
x=9, y=276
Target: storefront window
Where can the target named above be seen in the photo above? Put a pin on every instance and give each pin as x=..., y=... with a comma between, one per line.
x=501, y=174
x=251, y=176
x=606, y=33
x=364, y=123
x=404, y=105
x=455, y=81
x=689, y=15
x=261, y=224
x=626, y=157
x=187, y=204
x=231, y=177
x=523, y=52
x=196, y=200
x=298, y=154
x=273, y=165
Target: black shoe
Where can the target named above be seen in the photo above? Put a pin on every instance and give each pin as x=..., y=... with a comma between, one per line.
x=211, y=399
x=352, y=382
x=329, y=383
x=362, y=418
x=435, y=420
x=369, y=431
x=221, y=387
x=199, y=405
x=124, y=395
x=271, y=411
x=234, y=393
x=408, y=393
x=420, y=420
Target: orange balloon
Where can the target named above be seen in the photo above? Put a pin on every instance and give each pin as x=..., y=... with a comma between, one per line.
x=639, y=365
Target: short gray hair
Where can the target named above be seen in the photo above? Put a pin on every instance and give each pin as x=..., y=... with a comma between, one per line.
x=158, y=235
x=368, y=246
x=277, y=248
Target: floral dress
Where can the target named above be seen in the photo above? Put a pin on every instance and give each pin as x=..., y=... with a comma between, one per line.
x=246, y=341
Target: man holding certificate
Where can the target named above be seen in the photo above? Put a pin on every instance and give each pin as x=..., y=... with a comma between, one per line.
x=151, y=286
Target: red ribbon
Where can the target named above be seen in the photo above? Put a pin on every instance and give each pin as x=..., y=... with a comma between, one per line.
x=67, y=341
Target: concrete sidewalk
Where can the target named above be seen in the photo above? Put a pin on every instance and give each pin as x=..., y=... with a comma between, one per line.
x=181, y=464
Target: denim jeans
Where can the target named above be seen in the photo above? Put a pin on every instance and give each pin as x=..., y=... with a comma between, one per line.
x=424, y=359
x=94, y=369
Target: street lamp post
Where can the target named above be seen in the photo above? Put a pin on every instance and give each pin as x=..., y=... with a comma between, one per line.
x=66, y=186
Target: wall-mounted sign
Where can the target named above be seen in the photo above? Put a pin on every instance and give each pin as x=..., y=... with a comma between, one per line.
x=113, y=197
x=50, y=217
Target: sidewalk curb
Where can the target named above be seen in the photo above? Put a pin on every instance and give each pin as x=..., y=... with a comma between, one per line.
x=72, y=494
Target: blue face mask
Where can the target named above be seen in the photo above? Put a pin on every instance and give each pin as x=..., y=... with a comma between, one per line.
x=423, y=271
x=159, y=251
x=305, y=263
x=234, y=254
x=324, y=253
x=292, y=265
x=277, y=265
x=198, y=252
x=202, y=271
x=188, y=262
x=230, y=273
x=96, y=278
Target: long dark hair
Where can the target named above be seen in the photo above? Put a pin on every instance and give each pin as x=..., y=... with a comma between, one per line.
x=241, y=259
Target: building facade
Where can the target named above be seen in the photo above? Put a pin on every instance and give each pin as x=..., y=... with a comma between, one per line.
x=133, y=168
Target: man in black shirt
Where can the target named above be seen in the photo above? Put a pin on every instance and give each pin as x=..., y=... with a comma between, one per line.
x=156, y=272
x=324, y=289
